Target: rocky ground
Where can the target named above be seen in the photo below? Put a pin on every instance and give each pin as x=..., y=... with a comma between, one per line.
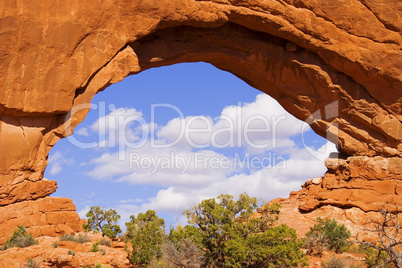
x=66, y=254
x=76, y=255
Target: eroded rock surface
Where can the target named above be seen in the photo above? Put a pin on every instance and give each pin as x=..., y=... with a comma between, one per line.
x=359, y=181
x=49, y=216
x=335, y=64
x=66, y=254
x=352, y=191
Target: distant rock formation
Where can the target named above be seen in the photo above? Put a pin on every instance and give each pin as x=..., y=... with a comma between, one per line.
x=335, y=64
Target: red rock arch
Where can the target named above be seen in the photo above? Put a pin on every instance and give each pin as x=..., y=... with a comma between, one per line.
x=335, y=64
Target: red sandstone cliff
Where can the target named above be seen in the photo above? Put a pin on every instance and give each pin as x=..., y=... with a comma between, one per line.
x=336, y=64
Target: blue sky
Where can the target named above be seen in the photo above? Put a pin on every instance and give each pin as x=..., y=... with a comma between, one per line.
x=169, y=137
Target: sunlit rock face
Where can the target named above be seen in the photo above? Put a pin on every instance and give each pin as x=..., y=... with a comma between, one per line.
x=335, y=64
x=351, y=191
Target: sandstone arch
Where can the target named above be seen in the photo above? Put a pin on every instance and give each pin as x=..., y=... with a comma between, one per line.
x=307, y=54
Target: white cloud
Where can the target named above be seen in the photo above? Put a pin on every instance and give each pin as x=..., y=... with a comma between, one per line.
x=131, y=200
x=168, y=200
x=118, y=127
x=258, y=126
x=163, y=167
x=268, y=183
x=83, y=212
x=117, y=118
x=56, y=162
x=125, y=211
x=262, y=124
x=190, y=174
x=55, y=168
x=82, y=131
x=151, y=164
x=54, y=157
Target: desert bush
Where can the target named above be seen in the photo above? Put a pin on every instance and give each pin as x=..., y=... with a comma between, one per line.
x=95, y=247
x=55, y=244
x=376, y=258
x=231, y=236
x=160, y=264
x=69, y=237
x=71, y=252
x=326, y=234
x=31, y=264
x=146, y=232
x=386, y=251
x=182, y=254
x=20, y=238
x=99, y=265
x=82, y=239
x=25, y=241
x=334, y=262
x=105, y=242
x=103, y=220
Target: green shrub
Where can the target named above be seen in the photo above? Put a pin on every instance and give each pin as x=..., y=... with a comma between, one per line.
x=184, y=253
x=146, y=234
x=20, y=238
x=103, y=220
x=95, y=247
x=99, y=265
x=231, y=236
x=82, y=239
x=31, y=264
x=164, y=264
x=376, y=258
x=334, y=262
x=69, y=237
x=71, y=252
x=25, y=241
x=326, y=234
x=55, y=244
x=105, y=242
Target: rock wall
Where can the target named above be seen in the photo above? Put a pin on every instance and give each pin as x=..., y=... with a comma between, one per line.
x=358, y=181
x=336, y=64
x=351, y=191
x=45, y=217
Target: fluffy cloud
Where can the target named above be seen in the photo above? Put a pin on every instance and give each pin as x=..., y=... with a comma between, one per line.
x=82, y=132
x=197, y=157
x=163, y=167
x=187, y=150
x=120, y=126
x=56, y=163
x=267, y=183
x=260, y=125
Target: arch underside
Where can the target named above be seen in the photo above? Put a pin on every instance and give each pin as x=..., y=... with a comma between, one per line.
x=336, y=106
